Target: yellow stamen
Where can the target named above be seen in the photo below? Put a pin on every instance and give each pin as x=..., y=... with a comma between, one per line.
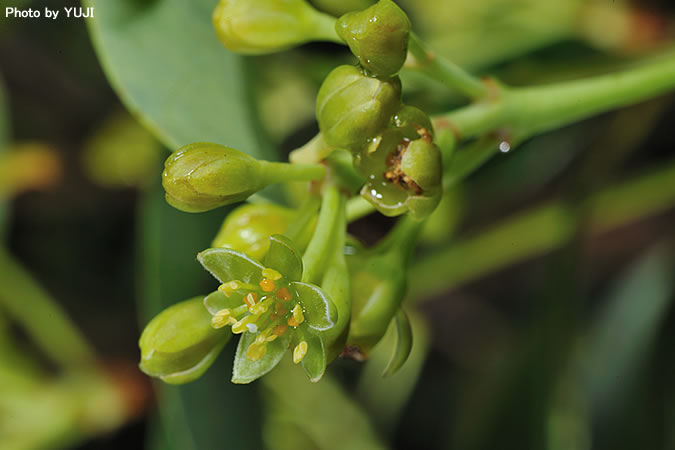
x=267, y=285
x=250, y=299
x=283, y=294
x=262, y=337
x=229, y=287
x=222, y=318
x=292, y=322
x=271, y=274
x=299, y=352
x=298, y=315
x=256, y=351
x=241, y=326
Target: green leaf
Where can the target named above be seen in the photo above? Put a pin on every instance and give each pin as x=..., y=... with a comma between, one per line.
x=620, y=343
x=165, y=62
x=402, y=345
x=246, y=370
x=284, y=258
x=319, y=310
x=227, y=265
x=216, y=301
x=315, y=360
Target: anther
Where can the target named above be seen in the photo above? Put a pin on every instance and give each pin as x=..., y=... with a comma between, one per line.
x=299, y=352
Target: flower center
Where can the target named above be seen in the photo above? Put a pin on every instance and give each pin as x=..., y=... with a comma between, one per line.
x=268, y=309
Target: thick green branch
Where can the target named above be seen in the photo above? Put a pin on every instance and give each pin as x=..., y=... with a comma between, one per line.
x=538, y=231
x=521, y=113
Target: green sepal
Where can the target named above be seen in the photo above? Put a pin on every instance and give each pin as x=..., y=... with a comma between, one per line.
x=227, y=265
x=179, y=344
x=412, y=122
x=402, y=344
x=198, y=369
x=217, y=301
x=315, y=360
x=245, y=370
x=284, y=257
x=319, y=310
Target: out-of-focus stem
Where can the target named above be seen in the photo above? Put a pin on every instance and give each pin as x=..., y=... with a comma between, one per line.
x=41, y=316
x=538, y=231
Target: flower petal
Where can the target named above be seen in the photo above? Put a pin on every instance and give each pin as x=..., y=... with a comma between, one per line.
x=314, y=361
x=284, y=258
x=246, y=370
x=227, y=265
x=319, y=310
x=217, y=301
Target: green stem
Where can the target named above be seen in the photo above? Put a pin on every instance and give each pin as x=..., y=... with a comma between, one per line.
x=324, y=27
x=357, y=208
x=318, y=252
x=468, y=159
x=540, y=230
x=314, y=151
x=402, y=240
x=278, y=172
x=303, y=218
x=39, y=314
x=442, y=70
x=521, y=113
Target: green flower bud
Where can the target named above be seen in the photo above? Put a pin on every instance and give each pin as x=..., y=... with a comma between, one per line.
x=248, y=228
x=267, y=26
x=378, y=37
x=204, y=176
x=179, y=344
x=339, y=7
x=352, y=107
x=401, y=175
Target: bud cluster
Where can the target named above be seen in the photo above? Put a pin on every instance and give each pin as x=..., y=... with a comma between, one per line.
x=359, y=109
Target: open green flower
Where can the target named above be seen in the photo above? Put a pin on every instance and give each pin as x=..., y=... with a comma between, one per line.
x=402, y=175
x=270, y=308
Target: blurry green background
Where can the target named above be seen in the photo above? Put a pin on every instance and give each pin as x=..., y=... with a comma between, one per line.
x=544, y=320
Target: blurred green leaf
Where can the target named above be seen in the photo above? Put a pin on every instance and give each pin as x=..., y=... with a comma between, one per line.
x=305, y=415
x=164, y=60
x=620, y=343
x=210, y=412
